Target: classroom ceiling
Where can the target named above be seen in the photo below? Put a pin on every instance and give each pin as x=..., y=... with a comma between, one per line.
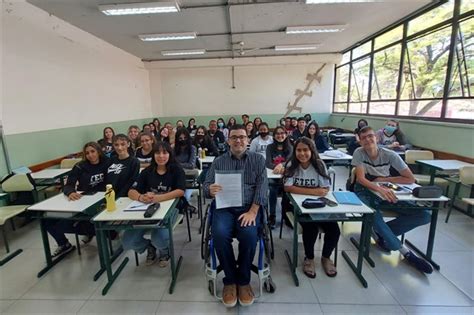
x=234, y=28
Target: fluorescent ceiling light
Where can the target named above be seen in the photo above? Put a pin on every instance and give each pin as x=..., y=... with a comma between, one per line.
x=168, y=36
x=296, y=47
x=314, y=29
x=139, y=8
x=183, y=52
x=342, y=1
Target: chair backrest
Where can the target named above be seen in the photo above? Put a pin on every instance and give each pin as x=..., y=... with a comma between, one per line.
x=466, y=175
x=412, y=155
x=69, y=163
x=18, y=182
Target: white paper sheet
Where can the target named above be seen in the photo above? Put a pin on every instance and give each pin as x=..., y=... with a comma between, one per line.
x=137, y=206
x=231, y=193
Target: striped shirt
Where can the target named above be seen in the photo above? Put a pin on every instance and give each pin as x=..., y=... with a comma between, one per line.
x=255, y=183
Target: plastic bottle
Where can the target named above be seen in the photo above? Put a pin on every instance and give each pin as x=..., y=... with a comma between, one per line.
x=110, y=198
x=200, y=153
x=203, y=153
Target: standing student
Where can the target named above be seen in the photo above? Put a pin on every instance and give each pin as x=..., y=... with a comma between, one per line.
x=192, y=127
x=392, y=137
x=133, y=132
x=163, y=180
x=306, y=174
x=164, y=135
x=313, y=133
x=278, y=153
x=231, y=122
x=259, y=144
x=204, y=142
x=217, y=136
x=222, y=128
x=143, y=153
x=106, y=141
x=299, y=131
x=124, y=168
x=250, y=130
x=86, y=176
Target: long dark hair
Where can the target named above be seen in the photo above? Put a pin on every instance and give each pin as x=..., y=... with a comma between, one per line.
x=164, y=146
x=293, y=164
x=286, y=143
x=306, y=131
x=160, y=138
x=97, y=147
x=103, y=133
x=229, y=124
x=187, y=148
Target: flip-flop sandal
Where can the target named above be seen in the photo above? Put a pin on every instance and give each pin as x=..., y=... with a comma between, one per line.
x=328, y=267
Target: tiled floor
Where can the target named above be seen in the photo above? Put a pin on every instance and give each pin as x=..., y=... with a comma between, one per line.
x=394, y=287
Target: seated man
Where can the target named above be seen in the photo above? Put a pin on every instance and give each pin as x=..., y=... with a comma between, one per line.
x=241, y=222
x=374, y=164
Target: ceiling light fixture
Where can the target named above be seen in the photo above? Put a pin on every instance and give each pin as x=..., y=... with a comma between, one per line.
x=168, y=36
x=139, y=8
x=183, y=52
x=314, y=29
x=296, y=47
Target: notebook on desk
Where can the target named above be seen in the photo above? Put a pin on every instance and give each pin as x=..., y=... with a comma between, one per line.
x=347, y=198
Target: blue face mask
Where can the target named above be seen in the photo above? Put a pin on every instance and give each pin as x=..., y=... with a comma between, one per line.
x=390, y=129
x=221, y=125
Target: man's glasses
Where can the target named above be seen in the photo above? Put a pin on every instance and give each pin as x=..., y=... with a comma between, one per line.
x=235, y=138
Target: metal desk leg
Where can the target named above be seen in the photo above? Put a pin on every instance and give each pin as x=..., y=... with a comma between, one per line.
x=9, y=256
x=294, y=263
x=50, y=262
x=429, y=249
x=113, y=256
x=174, y=268
x=432, y=175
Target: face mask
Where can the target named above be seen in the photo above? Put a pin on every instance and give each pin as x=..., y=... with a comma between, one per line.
x=263, y=134
x=362, y=125
x=390, y=129
x=221, y=125
x=182, y=142
x=278, y=142
x=199, y=137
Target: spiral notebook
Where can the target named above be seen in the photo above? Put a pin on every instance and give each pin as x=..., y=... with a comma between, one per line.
x=347, y=198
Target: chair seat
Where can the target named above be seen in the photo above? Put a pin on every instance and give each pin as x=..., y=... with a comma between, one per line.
x=424, y=180
x=8, y=212
x=291, y=218
x=469, y=201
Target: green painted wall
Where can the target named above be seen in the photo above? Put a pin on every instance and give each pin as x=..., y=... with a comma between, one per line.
x=440, y=136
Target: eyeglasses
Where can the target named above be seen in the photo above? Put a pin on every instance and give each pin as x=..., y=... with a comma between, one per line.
x=235, y=138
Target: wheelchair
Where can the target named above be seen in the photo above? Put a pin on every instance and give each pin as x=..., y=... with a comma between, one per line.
x=208, y=254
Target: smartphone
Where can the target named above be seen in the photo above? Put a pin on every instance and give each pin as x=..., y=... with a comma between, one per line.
x=392, y=186
x=328, y=202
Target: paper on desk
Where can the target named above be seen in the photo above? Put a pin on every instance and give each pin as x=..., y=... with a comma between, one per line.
x=136, y=206
x=231, y=193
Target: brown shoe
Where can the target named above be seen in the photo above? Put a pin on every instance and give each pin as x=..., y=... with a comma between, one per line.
x=309, y=268
x=328, y=267
x=246, y=296
x=229, y=295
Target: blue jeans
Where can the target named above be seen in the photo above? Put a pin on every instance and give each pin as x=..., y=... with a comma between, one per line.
x=133, y=239
x=225, y=226
x=406, y=220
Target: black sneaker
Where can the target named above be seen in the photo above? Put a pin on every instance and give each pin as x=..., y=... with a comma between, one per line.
x=271, y=221
x=63, y=249
x=418, y=263
x=151, y=255
x=163, y=261
x=381, y=245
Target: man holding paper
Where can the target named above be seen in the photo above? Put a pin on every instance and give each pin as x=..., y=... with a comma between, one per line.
x=238, y=181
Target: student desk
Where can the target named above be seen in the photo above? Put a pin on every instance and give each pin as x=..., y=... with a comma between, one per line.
x=442, y=165
x=342, y=212
x=50, y=175
x=129, y=220
x=207, y=160
x=433, y=206
x=271, y=175
x=59, y=207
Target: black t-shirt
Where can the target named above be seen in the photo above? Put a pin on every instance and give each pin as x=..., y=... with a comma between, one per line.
x=88, y=177
x=122, y=174
x=150, y=181
x=143, y=158
x=107, y=147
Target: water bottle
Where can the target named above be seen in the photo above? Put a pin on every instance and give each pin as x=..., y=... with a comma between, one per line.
x=110, y=198
x=200, y=153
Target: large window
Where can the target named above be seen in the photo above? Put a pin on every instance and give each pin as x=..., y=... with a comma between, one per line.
x=413, y=69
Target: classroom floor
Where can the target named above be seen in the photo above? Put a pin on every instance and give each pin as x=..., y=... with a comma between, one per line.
x=393, y=286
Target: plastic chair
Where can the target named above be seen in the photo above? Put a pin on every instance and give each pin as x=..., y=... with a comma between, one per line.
x=411, y=156
x=466, y=178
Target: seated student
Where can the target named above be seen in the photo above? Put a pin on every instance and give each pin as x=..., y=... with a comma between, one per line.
x=299, y=131
x=86, y=176
x=124, y=168
x=294, y=122
x=217, y=136
x=306, y=174
x=281, y=123
x=203, y=141
x=146, y=128
x=222, y=128
x=240, y=222
x=249, y=128
x=192, y=127
x=392, y=137
x=185, y=154
x=313, y=133
x=277, y=154
x=163, y=180
x=374, y=164
x=157, y=124
x=143, y=153
x=288, y=127
x=231, y=122
x=260, y=143
x=256, y=123
x=153, y=130
x=245, y=119
x=354, y=143
x=171, y=132
x=308, y=118
x=164, y=135
x=133, y=132
x=106, y=142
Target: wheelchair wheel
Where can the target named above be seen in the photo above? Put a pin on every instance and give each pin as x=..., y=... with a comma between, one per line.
x=267, y=243
x=269, y=285
x=205, y=235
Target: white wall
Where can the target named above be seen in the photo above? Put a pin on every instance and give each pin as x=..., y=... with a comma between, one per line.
x=262, y=85
x=55, y=75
